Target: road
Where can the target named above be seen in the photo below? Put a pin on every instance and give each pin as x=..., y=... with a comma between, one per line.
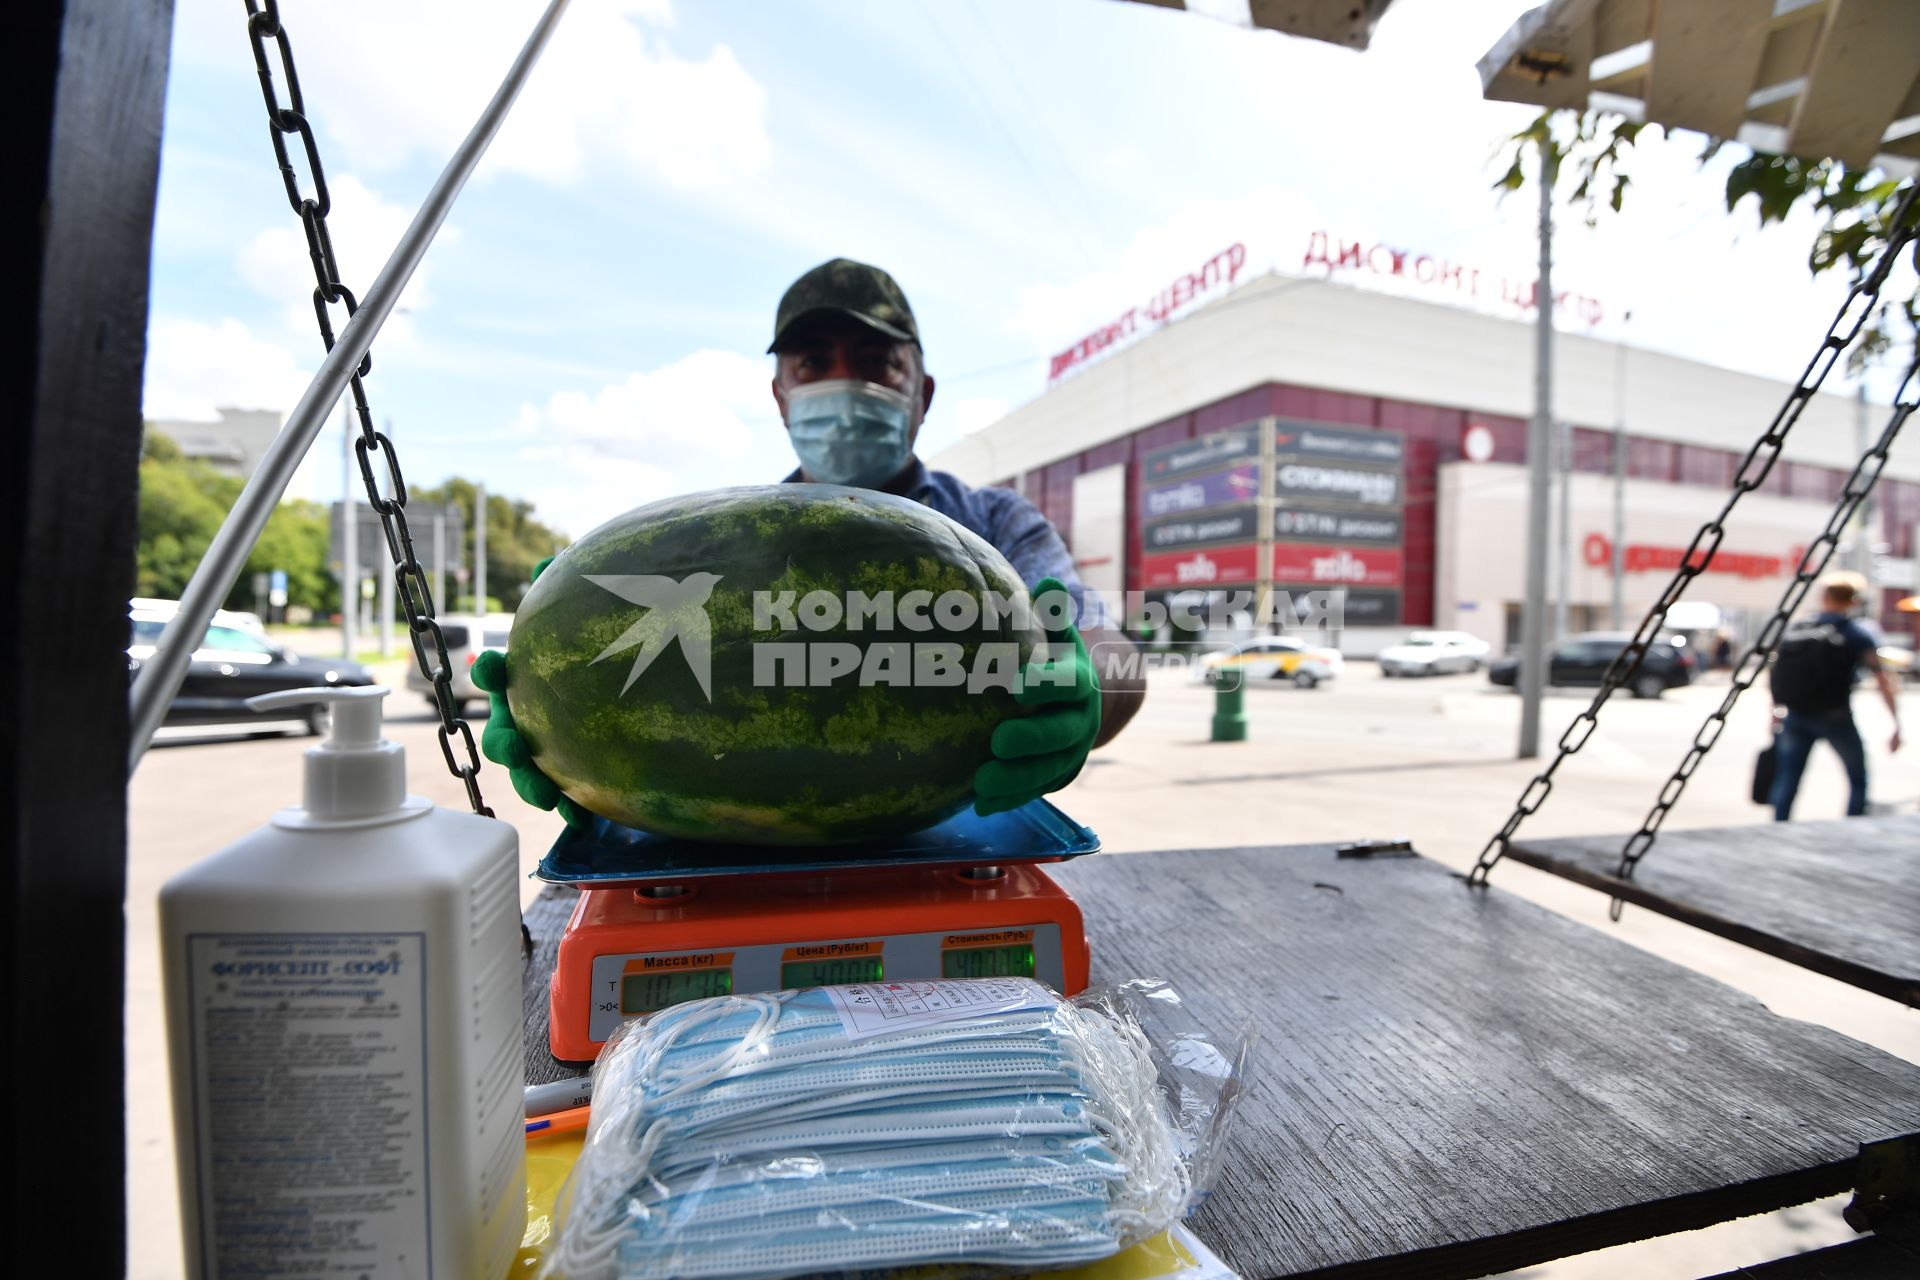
x=1361, y=757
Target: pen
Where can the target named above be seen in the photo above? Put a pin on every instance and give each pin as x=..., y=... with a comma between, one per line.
x=559, y=1122
x=559, y=1095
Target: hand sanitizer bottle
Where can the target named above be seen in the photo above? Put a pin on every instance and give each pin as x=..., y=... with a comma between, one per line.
x=344, y=1027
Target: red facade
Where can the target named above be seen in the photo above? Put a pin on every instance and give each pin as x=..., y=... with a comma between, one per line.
x=1433, y=436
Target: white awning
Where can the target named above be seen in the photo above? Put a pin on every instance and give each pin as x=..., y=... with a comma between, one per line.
x=1812, y=78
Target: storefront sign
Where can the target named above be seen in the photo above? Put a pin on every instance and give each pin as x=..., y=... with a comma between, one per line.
x=1338, y=254
x=1321, y=565
x=1223, y=488
x=1337, y=483
x=1222, y=268
x=1361, y=606
x=1302, y=440
x=1640, y=557
x=1215, y=566
x=1371, y=528
x=1233, y=524
x=1241, y=444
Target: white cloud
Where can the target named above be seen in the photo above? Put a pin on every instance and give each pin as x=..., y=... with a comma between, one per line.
x=195, y=369
x=703, y=422
x=387, y=84
x=364, y=227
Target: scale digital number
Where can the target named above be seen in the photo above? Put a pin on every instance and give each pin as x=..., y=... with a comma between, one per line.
x=624, y=954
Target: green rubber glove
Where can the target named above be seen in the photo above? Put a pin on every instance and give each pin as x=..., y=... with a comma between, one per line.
x=1042, y=752
x=502, y=743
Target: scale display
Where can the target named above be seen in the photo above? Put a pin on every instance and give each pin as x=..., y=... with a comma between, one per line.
x=650, y=992
x=624, y=955
x=988, y=962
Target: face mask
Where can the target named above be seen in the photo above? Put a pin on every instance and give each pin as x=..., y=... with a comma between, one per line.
x=748, y=1136
x=848, y=432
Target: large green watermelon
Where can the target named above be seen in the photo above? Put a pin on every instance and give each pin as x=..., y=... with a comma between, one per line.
x=604, y=657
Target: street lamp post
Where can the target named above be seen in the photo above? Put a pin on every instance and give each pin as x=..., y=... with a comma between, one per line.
x=1533, y=609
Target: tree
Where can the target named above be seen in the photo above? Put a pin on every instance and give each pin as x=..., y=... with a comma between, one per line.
x=182, y=504
x=516, y=541
x=1856, y=207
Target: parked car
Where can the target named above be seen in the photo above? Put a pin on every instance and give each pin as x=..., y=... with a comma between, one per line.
x=232, y=664
x=466, y=637
x=1432, y=653
x=1584, y=659
x=1275, y=658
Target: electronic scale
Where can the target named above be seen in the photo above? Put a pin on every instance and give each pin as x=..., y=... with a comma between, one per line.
x=661, y=920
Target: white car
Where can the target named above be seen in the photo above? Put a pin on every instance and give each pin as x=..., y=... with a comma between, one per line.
x=1432, y=653
x=1275, y=658
x=465, y=637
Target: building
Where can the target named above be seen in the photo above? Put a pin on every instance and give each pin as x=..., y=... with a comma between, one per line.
x=234, y=444
x=1398, y=465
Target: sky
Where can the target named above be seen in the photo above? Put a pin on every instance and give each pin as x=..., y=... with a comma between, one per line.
x=588, y=331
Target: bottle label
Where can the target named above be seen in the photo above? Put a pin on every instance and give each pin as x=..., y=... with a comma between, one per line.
x=309, y=1062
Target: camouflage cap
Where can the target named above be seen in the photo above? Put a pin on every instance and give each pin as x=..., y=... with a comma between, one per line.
x=866, y=293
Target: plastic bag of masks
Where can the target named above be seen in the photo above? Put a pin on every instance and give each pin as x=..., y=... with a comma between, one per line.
x=986, y=1123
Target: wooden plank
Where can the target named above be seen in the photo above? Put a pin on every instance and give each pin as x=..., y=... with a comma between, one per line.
x=85, y=88
x=1861, y=71
x=1705, y=57
x=1548, y=67
x=1869, y=1258
x=1451, y=1082
x=1841, y=898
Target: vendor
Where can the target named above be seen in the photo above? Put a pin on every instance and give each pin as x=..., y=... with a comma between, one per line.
x=852, y=389
x=844, y=330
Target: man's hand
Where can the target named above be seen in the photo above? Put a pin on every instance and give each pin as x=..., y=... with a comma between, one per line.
x=1042, y=752
x=1893, y=743
x=503, y=744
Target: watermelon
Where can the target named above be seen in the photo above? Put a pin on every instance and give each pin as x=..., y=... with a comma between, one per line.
x=642, y=677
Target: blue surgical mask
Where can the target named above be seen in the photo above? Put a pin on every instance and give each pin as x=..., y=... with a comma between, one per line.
x=850, y=432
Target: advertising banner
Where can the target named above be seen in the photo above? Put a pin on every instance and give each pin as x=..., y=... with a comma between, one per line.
x=1223, y=488
x=1331, y=482
x=1365, y=606
x=1323, y=565
x=1229, y=524
x=1190, y=457
x=1345, y=444
x=1214, y=566
x=1318, y=524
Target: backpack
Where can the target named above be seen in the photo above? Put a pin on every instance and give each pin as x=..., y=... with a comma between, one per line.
x=1813, y=668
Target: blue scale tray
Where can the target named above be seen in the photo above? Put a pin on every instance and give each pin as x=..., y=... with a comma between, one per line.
x=610, y=856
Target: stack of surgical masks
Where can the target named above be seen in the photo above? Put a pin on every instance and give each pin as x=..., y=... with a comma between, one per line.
x=751, y=1136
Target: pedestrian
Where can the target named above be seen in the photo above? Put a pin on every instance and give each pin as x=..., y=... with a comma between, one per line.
x=1818, y=663
x=1723, y=652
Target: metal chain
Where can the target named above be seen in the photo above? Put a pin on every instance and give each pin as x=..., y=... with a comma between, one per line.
x=1753, y=472
x=416, y=597
x=1813, y=563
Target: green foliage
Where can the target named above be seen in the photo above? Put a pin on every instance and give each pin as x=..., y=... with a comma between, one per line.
x=515, y=540
x=1856, y=207
x=183, y=501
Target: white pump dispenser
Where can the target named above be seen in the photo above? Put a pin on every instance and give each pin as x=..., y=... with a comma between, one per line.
x=343, y=1016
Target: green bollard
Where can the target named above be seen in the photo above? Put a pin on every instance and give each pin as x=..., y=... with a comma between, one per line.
x=1229, y=706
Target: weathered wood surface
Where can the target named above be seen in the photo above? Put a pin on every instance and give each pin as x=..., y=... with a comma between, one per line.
x=1452, y=1082
x=1868, y=1258
x=1841, y=898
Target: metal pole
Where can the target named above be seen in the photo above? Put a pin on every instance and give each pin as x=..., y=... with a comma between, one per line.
x=440, y=559
x=1619, y=556
x=480, y=550
x=349, y=539
x=1533, y=608
x=157, y=681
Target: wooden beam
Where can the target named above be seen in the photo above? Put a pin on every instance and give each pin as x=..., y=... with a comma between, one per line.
x=1705, y=57
x=1862, y=69
x=1546, y=67
x=84, y=92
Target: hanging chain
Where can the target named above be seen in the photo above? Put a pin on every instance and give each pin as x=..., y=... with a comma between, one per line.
x=423, y=630
x=1866, y=473
x=1753, y=472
